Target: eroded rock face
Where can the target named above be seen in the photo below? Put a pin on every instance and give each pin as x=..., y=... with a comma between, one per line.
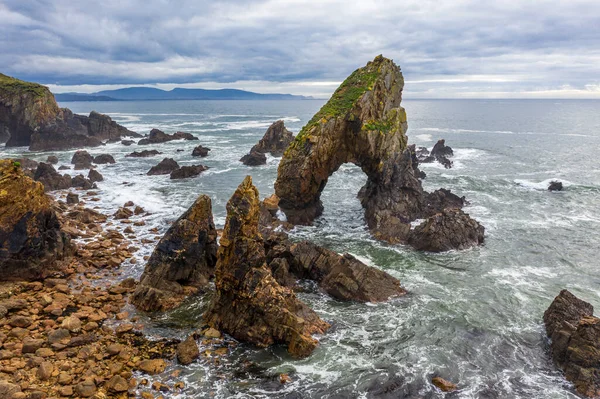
x=276, y=139
x=188, y=171
x=31, y=240
x=362, y=123
x=165, y=167
x=575, y=345
x=82, y=160
x=440, y=152
x=249, y=304
x=182, y=263
x=254, y=158
x=50, y=178
x=447, y=230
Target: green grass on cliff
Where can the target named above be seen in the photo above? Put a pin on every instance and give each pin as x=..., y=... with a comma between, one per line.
x=344, y=97
x=16, y=86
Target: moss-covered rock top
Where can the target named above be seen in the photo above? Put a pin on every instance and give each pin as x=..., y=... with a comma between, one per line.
x=10, y=85
x=346, y=95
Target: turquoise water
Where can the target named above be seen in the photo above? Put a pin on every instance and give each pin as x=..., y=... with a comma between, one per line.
x=473, y=317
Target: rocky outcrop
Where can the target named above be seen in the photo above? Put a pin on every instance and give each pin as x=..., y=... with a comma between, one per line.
x=182, y=263
x=82, y=182
x=254, y=158
x=52, y=159
x=440, y=152
x=50, y=178
x=188, y=171
x=104, y=159
x=95, y=176
x=276, y=139
x=249, y=304
x=158, y=136
x=70, y=130
x=362, y=123
x=447, y=230
x=342, y=276
x=575, y=341
x=200, y=151
x=143, y=154
x=31, y=240
x=24, y=108
x=165, y=167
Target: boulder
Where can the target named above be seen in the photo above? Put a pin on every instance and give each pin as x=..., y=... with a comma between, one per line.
x=158, y=136
x=362, y=123
x=165, y=167
x=31, y=240
x=254, y=158
x=183, y=261
x=276, y=139
x=188, y=171
x=52, y=159
x=143, y=154
x=441, y=149
x=188, y=351
x=200, y=151
x=127, y=142
x=104, y=159
x=95, y=176
x=82, y=160
x=575, y=341
x=72, y=198
x=50, y=178
x=443, y=385
x=248, y=303
x=555, y=186
x=447, y=230
x=82, y=182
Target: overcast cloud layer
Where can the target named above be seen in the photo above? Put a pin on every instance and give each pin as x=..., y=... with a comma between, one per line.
x=461, y=48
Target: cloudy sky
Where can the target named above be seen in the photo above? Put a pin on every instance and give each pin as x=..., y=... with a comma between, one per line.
x=446, y=49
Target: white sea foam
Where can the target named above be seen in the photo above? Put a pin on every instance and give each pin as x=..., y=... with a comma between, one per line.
x=543, y=185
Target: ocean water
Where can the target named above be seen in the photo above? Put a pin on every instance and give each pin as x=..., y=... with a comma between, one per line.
x=473, y=317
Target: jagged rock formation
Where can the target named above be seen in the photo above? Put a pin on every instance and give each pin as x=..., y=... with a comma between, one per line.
x=52, y=159
x=447, y=230
x=440, y=152
x=24, y=107
x=276, y=139
x=200, y=151
x=555, y=186
x=30, y=116
x=249, y=304
x=188, y=171
x=254, y=158
x=164, y=167
x=50, y=178
x=575, y=345
x=362, y=123
x=342, y=276
x=158, y=136
x=182, y=263
x=31, y=240
x=95, y=176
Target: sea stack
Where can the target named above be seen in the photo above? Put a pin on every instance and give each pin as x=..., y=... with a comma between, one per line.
x=249, y=304
x=182, y=263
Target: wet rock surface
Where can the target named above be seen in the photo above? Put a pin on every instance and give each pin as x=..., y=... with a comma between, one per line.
x=200, y=151
x=555, y=186
x=165, y=167
x=447, y=230
x=82, y=160
x=143, y=154
x=104, y=159
x=158, y=136
x=31, y=240
x=254, y=158
x=575, y=341
x=182, y=263
x=188, y=171
x=275, y=140
x=249, y=304
x=50, y=178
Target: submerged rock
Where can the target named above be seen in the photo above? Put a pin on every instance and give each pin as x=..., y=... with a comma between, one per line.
x=188, y=171
x=95, y=176
x=447, y=230
x=555, y=186
x=200, y=151
x=52, y=159
x=254, y=158
x=362, y=123
x=103, y=159
x=81, y=182
x=143, y=154
x=50, y=178
x=249, y=304
x=182, y=263
x=276, y=139
x=575, y=341
x=165, y=167
x=31, y=240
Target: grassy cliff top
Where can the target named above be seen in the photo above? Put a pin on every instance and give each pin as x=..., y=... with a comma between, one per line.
x=346, y=95
x=15, y=86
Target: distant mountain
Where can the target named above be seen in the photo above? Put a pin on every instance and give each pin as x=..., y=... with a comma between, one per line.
x=149, y=93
